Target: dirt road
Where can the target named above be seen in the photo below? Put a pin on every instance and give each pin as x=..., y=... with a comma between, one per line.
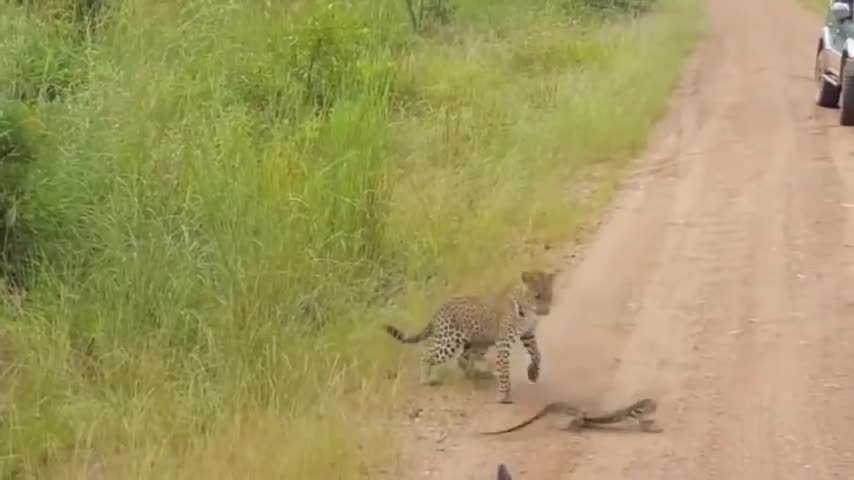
x=721, y=284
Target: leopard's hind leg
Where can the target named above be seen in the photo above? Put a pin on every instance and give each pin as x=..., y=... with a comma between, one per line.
x=468, y=360
x=441, y=350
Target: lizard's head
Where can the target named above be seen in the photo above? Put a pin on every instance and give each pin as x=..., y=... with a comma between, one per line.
x=642, y=407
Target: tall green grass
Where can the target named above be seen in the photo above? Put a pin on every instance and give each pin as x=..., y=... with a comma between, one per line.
x=212, y=206
x=818, y=6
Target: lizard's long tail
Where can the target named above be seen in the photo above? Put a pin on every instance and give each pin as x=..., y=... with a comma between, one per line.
x=546, y=410
x=404, y=338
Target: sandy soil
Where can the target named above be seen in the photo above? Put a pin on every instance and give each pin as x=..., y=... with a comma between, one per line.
x=721, y=283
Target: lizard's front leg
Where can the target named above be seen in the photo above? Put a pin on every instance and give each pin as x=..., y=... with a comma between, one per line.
x=648, y=425
x=575, y=422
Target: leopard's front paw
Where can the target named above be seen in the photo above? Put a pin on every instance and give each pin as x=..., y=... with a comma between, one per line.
x=533, y=371
x=503, y=398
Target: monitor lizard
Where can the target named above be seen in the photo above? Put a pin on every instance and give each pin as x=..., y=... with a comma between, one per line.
x=637, y=411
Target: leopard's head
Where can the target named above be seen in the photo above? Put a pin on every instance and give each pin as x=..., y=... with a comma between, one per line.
x=537, y=292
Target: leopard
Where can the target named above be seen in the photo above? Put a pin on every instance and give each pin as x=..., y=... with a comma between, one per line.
x=469, y=325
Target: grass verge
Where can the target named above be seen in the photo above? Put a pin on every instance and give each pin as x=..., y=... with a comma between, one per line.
x=219, y=205
x=817, y=6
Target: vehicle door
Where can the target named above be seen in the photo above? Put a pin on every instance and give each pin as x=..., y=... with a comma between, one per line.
x=838, y=31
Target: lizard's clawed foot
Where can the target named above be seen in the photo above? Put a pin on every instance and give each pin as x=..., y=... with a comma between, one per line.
x=574, y=424
x=649, y=425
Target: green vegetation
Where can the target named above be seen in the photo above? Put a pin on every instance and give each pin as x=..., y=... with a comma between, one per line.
x=211, y=205
x=818, y=6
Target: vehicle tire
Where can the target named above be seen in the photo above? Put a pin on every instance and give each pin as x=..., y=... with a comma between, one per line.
x=827, y=94
x=846, y=100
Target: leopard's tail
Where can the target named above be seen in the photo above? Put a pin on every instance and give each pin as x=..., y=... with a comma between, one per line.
x=402, y=337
